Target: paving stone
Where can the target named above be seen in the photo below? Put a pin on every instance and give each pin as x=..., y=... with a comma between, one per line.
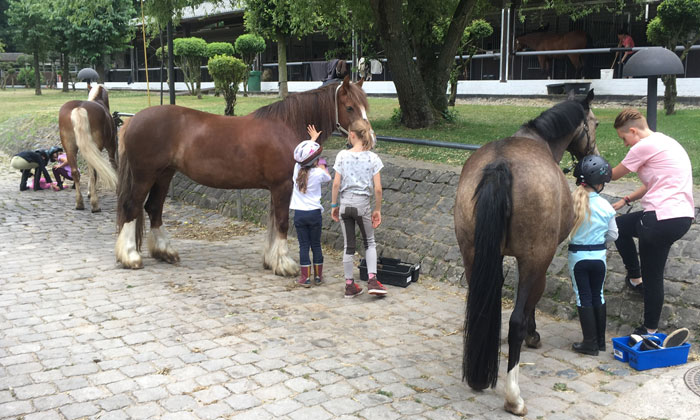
x=217, y=336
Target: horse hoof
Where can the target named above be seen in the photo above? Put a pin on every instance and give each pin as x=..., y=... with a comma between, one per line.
x=533, y=341
x=519, y=410
x=168, y=257
x=134, y=265
x=80, y=207
x=97, y=210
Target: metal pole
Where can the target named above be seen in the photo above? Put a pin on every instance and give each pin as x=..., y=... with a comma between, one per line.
x=171, y=65
x=651, y=102
x=502, y=64
x=162, y=52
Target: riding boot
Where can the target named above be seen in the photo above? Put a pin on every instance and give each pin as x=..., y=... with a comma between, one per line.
x=26, y=173
x=589, y=345
x=318, y=274
x=37, y=180
x=600, y=322
x=304, y=280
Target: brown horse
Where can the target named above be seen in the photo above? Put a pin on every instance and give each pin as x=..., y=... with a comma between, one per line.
x=513, y=199
x=546, y=41
x=253, y=151
x=88, y=126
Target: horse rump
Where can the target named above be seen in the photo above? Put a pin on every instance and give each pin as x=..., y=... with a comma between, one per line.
x=482, y=325
x=83, y=138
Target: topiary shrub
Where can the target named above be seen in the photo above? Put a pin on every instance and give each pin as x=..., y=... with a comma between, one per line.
x=228, y=72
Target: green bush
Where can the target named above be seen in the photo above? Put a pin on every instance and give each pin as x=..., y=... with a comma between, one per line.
x=248, y=45
x=26, y=77
x=228, y=72
x=189, y=53
x=219, y=48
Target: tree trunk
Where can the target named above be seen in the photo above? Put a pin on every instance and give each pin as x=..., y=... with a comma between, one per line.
x=100, y=68
x=670, y=93
x=454, y=78
x=282, y=64
x=436, y=70
x=416, y=109
x=65, y=71
x=37, y=74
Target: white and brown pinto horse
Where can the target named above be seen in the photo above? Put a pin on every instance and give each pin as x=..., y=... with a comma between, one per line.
x=252, y=151
x=88, y=126
x=513, y=199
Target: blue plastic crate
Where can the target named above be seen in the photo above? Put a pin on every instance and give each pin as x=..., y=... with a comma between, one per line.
x=649, y=359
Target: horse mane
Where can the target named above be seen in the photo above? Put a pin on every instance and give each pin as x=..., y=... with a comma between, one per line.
x=98, y=94
x=315, y=106
x=558, y=121
x=95, y=92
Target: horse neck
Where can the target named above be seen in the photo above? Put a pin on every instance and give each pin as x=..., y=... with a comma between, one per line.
x=557, y=147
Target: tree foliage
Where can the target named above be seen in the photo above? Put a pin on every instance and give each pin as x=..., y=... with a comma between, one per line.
x=278, y=21
x=248, y=46
x=219, y=48
x=29, y=22
x=677, y=22
x=228, y=72
x=189, y=54
x=473, y=33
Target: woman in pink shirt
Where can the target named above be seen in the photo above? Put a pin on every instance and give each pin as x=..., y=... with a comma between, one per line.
x=664, y=168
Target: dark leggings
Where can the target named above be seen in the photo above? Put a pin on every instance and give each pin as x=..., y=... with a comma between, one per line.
x=655, y=240
x=589, y=276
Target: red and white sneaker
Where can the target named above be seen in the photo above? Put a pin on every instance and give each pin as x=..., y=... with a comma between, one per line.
x=374, y=287
x=352, y=290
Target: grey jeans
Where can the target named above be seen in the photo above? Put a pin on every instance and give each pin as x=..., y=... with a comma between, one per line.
x=355, y=209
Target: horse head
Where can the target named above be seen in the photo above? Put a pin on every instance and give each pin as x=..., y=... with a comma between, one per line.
x=584, y=142
x=98, y=93
x=351, y=104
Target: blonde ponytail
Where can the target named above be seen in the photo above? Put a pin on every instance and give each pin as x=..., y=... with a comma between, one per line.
x=582, y=210
x=362, y=130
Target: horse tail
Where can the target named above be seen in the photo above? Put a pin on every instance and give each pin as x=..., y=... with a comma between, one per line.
x=124, y=197
x=482, y=325
x=85, y=142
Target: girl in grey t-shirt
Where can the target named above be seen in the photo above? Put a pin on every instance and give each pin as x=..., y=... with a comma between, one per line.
x=356, y=176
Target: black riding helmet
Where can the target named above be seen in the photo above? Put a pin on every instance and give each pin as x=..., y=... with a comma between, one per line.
x=592, y=170
x=52, y=150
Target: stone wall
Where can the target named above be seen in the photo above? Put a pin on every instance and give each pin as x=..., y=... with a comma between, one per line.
x=417, y=226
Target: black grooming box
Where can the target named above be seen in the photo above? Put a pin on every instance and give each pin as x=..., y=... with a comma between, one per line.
x=392, y=271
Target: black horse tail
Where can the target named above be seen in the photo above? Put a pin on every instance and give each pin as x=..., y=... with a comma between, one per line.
x=482, y=325
x=125, y=201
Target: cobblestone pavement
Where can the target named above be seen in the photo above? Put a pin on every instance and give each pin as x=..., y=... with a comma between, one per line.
x=219, y=337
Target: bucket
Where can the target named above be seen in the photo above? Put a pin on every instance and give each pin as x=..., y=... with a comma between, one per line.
x=606, y=74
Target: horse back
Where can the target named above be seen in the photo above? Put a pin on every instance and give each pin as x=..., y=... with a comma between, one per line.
x=542, y=211
x=100, y=121
x=214, y=150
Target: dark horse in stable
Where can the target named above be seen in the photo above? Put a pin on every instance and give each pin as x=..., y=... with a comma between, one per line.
x=513, y=199
x=546, y=41
x=88, y=126
x=252, y=151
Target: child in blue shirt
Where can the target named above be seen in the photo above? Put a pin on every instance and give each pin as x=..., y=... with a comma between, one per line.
x=594, y=226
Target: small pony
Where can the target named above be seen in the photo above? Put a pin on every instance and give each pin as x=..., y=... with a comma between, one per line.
x=88, y=126
x=513, y=199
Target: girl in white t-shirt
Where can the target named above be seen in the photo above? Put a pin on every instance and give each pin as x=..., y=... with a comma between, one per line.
x=356, y=177
x=309, y=173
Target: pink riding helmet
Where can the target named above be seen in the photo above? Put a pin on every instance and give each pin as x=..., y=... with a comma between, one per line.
x=306, y=152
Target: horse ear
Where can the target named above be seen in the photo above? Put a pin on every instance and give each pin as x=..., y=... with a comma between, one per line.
x=346, y=81
x=359, y=84
x=590, y=97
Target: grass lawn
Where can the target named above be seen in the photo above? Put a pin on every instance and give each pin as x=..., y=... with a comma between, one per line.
x=474, y=124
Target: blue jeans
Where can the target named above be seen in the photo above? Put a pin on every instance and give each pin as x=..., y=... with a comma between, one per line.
x=308, y=226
